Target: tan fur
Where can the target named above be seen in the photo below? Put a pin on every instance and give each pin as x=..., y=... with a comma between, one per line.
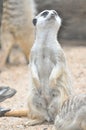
x=72, y=115
x=17, y=113
x=16, y=27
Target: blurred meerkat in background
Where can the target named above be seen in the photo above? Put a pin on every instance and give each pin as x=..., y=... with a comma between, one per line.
x=73, y=114
x=16, y=27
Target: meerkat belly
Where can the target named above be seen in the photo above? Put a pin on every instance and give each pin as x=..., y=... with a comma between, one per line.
x=44, y=66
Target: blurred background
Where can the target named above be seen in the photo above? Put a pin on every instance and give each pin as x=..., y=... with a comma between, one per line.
x=73, y=14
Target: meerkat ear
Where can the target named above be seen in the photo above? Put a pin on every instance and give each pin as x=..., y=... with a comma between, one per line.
x=34, y=21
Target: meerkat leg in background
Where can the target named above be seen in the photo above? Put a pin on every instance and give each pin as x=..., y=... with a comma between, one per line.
x=25, y=48
x=6, y=45
x=25, y=45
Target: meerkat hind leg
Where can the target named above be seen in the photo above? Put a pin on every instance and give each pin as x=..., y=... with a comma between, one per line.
x=25, y=46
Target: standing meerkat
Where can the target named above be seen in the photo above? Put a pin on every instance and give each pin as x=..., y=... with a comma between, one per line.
x=49, y=83
x=72, y=115
x=16, y=27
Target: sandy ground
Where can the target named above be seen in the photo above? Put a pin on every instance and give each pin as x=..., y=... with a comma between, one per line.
x=18, y=78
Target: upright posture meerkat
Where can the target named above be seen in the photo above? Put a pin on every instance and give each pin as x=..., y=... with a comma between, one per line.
x=72, y=115
x=50, y=82
x=16, y=27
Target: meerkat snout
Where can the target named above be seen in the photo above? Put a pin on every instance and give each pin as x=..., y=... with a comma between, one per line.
x=53, y=13
x=47, y=18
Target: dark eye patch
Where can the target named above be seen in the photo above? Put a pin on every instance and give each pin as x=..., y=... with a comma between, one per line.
x=45, y=13
x=54, y=12
x=34, y=21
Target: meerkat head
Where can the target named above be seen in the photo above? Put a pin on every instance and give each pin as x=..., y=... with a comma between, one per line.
x=47, y=18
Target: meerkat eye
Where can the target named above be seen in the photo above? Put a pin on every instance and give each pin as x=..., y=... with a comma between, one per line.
x=45, y=13
x=34, y=21
x=54, y=12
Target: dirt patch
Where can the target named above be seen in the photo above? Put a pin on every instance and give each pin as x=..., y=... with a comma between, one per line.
x=18, y=78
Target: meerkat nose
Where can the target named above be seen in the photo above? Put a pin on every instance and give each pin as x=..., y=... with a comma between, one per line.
x=53, y=14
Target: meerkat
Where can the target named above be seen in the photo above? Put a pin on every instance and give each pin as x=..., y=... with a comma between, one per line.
x=16, y=27
x=72, y=115
x=49, y=82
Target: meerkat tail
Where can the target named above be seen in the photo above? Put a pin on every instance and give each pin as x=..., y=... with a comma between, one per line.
x=17, y=113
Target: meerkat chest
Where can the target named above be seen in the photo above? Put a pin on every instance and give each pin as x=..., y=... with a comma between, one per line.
x=45, y=58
